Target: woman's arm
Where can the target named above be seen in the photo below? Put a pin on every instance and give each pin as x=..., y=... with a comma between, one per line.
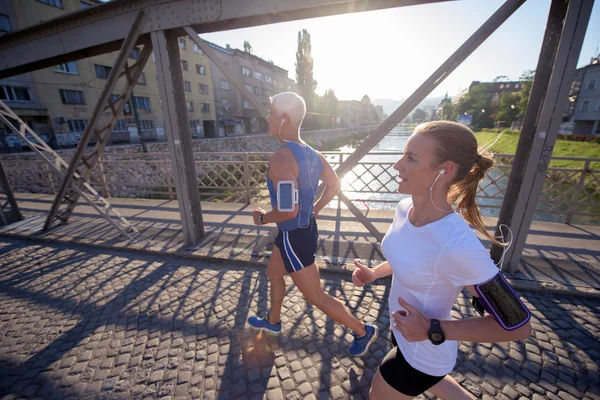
x=414, y=326
x=382, y=270
x=482, y=330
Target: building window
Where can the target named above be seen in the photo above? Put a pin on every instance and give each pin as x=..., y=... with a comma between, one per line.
x=85, y=5
x=135, y=53
x=184, y=65
x=268, y=79
x=246, y=71
x=249, y=87
x=193, y=125
x=188, y=86
x=258, y=91
x=258, y=75
x=268, y=93
x=508, y=85
x=197, y=49
x=147, y=125
x=592, y=85
x=585, y=106
x=143, y=103
x=200, y=69
x=517, y=85
x=205, y=107
x=72, y=96
x=14, y=93
x=190, y=106
x=203, y=88
x=120, y=126
x=54, y=3
x=182, y=43
x=598, y=106
x=77, y=125
x=5, y=23
x=153, y=58
x=248, y=105
x=226, y=104
x=67, y=68
x=142, y=79
x=225, y=85
x=102, y=71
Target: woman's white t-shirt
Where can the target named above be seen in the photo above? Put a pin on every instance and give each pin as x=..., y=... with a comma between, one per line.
x=431, y=264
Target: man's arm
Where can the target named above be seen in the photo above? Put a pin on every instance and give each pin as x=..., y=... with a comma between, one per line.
x=280, y=169
x=332, y=185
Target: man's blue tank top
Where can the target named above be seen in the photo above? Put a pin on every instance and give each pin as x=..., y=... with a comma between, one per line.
x=310, y=168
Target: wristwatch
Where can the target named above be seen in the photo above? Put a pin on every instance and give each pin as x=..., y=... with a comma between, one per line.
x=435, y=333
x=260, y=218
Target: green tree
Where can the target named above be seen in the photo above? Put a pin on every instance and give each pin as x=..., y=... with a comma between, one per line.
x=527, y=81
x=419, y=116
x=478, y=103
x=304, y=70
x=247, y=46
x=447, y=111
x=508, y=107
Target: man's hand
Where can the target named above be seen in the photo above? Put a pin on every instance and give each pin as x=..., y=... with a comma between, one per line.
x=316, y=211
x=412, y=324
x=256, y=213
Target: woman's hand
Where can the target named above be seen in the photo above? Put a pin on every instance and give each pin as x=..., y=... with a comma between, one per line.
x=412, y=324
x=362, y=275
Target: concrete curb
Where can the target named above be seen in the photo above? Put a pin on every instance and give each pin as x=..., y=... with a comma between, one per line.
x=519, y=284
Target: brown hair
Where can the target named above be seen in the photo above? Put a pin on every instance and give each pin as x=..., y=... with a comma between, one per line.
x=457, y=143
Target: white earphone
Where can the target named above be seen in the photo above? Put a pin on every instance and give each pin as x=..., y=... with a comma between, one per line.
x=442, y=172
x=281, y=126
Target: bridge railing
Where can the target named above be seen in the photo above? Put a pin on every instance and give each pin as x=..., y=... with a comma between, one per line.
x=240, y=177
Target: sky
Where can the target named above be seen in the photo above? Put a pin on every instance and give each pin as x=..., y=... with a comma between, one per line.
x=389, y=53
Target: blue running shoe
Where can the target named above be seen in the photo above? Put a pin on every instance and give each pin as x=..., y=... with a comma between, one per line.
x=361, y=344
x=264, y=324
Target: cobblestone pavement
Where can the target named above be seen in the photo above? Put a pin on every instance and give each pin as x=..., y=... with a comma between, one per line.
x=84, y=323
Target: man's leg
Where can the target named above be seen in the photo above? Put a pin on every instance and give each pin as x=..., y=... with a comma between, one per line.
x=309, y=283
x=276, y=272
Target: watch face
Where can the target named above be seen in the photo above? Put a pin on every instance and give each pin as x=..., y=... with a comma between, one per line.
x=436, y=336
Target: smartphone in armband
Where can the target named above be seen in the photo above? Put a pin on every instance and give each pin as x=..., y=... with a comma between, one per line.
x=478, y=306
x=287, y=196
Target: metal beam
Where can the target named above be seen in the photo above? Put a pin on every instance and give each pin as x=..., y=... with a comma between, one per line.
x=464, y=51
x=554, y=27
x=59, y=166
x=102, y=29
x=578, y=16
x=9, y=210
x=177, y=130
x=98, y=126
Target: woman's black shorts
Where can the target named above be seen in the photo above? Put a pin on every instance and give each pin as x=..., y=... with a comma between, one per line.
x=399, y=374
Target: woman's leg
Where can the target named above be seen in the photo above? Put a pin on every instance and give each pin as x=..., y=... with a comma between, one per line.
x=449, y=389
x=309, y=283
x=381, y=390
x=276, y=272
